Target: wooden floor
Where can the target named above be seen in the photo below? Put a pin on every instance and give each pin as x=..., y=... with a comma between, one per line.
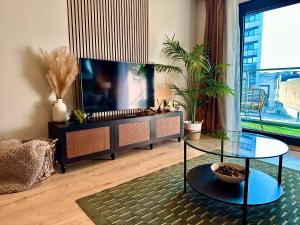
x=53, y=200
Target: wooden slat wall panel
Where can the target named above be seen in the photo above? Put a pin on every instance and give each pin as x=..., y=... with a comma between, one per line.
x=108, y=29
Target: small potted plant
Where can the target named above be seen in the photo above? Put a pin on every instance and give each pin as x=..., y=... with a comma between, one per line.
x=199, y=76
x=61, y=69
x=77, y=116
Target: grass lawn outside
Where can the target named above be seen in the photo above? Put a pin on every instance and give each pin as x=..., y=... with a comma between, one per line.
x=272, y=127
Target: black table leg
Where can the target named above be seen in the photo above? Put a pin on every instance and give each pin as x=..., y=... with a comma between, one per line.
x=245, y=205
x=184, y=162
x=280, y=169
x=222, y=150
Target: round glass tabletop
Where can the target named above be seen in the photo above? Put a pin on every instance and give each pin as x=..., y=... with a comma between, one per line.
x=240, y=145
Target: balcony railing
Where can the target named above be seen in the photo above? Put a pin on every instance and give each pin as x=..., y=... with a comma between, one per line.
x=270, y=100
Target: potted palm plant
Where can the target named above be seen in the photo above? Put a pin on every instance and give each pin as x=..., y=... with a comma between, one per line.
x=199, y=75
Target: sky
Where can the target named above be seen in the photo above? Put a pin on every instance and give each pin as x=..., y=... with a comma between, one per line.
x=281, y=38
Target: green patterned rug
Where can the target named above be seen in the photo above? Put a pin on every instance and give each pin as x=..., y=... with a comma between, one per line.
x=158, y=198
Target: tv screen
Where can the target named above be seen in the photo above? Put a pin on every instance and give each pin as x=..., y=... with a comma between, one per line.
x=109, y=86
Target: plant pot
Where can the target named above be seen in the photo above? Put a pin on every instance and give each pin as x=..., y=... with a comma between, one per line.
x=59, y=111
x=190, y=127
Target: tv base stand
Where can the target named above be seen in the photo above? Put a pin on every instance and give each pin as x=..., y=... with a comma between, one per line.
x=111, y=135
x=148, y=108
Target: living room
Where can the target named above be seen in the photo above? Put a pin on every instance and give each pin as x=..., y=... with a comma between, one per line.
x=149, y=112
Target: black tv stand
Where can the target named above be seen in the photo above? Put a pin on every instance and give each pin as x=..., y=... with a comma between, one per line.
x=111, y=134
x=130, y=116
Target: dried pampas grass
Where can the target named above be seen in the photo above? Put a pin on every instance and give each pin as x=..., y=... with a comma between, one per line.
x=61, y=69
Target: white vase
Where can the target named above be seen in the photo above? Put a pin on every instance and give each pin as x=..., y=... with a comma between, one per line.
x=194, y=128
x=59, y=111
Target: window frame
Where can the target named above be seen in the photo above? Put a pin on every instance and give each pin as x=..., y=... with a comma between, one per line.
x=256, y=6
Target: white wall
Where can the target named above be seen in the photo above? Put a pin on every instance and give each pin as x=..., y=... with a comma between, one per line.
x=25, y=102
x=185, y=19
x=24, y=92
x=200, y=17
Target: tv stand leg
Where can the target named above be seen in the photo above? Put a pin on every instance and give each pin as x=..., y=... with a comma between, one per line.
x=112, y=155
x=151, y=146
x=63, y=168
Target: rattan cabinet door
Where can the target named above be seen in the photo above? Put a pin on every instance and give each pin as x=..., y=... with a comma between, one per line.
x=84, y=142
x=134, y=132
x=167, y=126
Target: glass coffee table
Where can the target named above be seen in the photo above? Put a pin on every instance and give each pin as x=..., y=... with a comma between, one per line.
x=258, y=188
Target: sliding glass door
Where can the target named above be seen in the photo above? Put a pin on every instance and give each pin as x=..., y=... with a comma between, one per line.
x=270, y=68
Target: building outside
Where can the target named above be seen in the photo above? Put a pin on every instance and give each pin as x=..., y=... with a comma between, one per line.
x=273, y=109
x=252, y=49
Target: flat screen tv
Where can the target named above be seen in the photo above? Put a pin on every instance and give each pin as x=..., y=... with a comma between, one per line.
x=110, y=86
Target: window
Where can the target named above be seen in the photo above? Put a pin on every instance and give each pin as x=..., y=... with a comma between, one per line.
x=270, y=57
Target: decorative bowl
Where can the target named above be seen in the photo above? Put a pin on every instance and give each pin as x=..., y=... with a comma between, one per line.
x=228, y=178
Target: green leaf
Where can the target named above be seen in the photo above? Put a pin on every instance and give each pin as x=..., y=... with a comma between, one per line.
x=199, y=59
x=173, y=50
x=142, y=69
x=167, y=68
